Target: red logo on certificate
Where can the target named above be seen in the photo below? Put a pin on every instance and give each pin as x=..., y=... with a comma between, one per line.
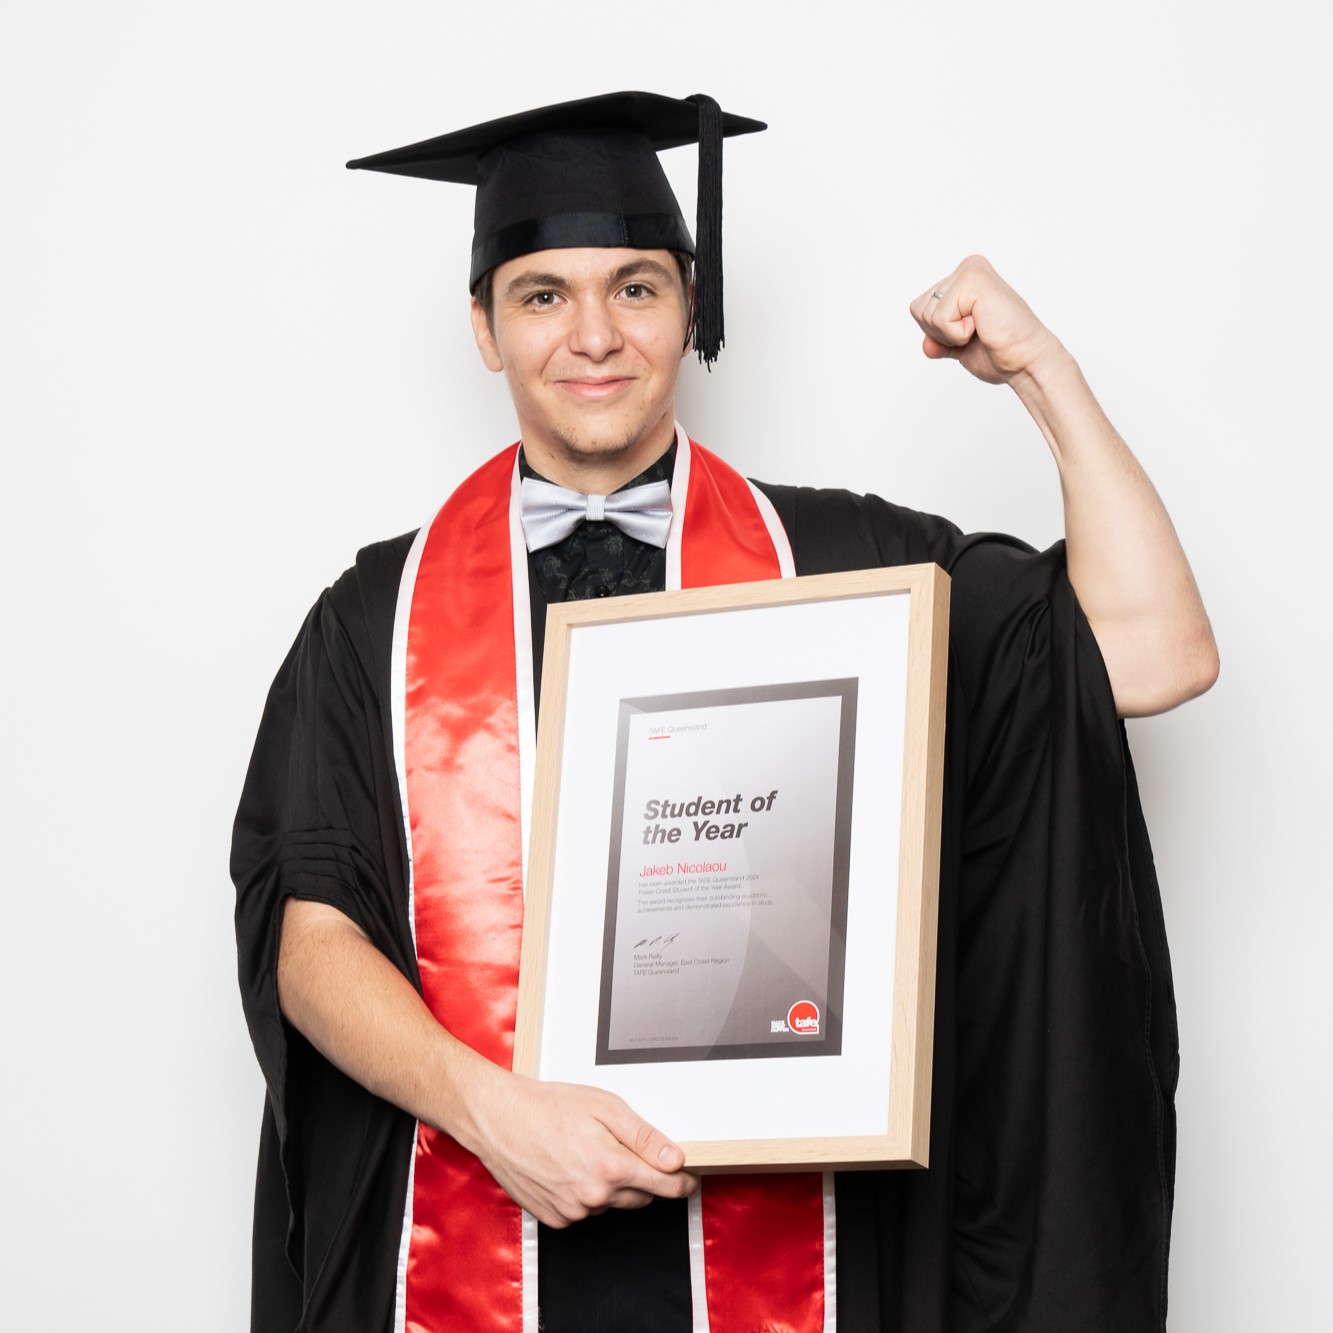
x=803, y=1018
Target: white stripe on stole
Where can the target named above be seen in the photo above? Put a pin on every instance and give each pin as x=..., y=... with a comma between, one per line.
x=830, y=1255
x=402, y=616
x=698, y=1272
x=527, y=712
x=527, y=767
x=776, y=532
x=680, y=488
x=405, y=1241
x=398, y=711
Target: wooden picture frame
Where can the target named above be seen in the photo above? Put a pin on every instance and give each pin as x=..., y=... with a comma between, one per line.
x=823, y=696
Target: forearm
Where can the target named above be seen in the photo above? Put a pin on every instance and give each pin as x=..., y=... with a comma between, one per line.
x=1125, y=561
x=364, y=1016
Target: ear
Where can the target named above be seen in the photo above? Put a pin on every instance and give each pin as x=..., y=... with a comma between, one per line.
x=486, y=344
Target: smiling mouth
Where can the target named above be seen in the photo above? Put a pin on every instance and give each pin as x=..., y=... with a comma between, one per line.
x=593, y=388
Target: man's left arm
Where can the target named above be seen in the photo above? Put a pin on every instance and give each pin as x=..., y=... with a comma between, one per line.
x=1125, y=561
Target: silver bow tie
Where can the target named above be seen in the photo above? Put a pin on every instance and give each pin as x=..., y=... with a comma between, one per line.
x=550, y=513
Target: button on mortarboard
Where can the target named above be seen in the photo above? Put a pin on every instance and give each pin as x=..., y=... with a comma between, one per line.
x=586, y=173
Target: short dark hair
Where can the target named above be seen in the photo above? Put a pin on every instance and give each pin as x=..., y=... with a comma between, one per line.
x=484, y=292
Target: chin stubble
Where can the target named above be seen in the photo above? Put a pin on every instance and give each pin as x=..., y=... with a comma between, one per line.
x=577, y=449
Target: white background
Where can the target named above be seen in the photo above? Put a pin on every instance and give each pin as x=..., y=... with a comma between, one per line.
x=227, y=362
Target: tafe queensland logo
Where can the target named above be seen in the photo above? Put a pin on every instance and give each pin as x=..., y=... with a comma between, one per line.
x=803, y=1018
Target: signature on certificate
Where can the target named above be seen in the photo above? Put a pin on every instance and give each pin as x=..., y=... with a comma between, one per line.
x=657, y=941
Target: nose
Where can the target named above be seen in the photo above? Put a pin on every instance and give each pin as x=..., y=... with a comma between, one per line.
x=595, y=333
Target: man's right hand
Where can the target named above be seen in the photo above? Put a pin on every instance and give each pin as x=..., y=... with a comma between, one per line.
x=559, y=1150
x=563, y=1151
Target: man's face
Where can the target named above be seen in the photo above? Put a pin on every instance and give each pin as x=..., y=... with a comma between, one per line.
x=591, y=342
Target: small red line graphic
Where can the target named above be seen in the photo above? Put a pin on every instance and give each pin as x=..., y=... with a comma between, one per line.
x=659, y=738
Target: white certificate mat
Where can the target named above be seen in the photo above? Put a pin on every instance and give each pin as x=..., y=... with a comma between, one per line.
x=731, y=897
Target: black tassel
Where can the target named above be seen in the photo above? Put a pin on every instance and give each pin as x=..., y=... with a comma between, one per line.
x=708, y=328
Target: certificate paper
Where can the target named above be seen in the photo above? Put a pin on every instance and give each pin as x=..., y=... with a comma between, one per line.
x=726, y=907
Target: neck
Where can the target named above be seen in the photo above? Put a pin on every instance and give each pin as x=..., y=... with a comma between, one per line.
x=594, y=470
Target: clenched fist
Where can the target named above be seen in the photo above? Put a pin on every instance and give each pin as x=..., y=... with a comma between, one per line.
x=975, y=317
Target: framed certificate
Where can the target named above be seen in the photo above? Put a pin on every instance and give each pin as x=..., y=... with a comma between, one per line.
x=733, y=872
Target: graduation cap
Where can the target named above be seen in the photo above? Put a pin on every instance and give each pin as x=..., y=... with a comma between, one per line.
x=586, y=173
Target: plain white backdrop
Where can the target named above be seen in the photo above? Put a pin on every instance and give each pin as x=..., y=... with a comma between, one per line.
x=227, y=363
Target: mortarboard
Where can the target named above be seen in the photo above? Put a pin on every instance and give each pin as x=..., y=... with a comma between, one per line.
x=586, y=173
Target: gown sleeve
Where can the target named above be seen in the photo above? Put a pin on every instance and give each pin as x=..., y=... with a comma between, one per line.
x=319, y=819
x=1063, y=1139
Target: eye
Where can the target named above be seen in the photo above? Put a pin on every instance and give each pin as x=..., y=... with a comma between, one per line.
x=636, y=291
x=544, y=300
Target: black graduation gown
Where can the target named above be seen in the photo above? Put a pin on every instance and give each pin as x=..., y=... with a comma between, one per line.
x=1047, y=1203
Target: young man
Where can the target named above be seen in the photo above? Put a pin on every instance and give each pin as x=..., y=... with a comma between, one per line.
x=378, y=851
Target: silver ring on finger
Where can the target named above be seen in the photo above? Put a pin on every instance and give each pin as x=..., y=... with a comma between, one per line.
x=937, y=294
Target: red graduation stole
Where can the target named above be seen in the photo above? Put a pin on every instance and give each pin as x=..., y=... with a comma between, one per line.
x=760, y=1246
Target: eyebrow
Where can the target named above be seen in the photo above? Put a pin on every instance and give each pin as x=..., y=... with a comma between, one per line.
x=532, y=280
x=636, y=267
